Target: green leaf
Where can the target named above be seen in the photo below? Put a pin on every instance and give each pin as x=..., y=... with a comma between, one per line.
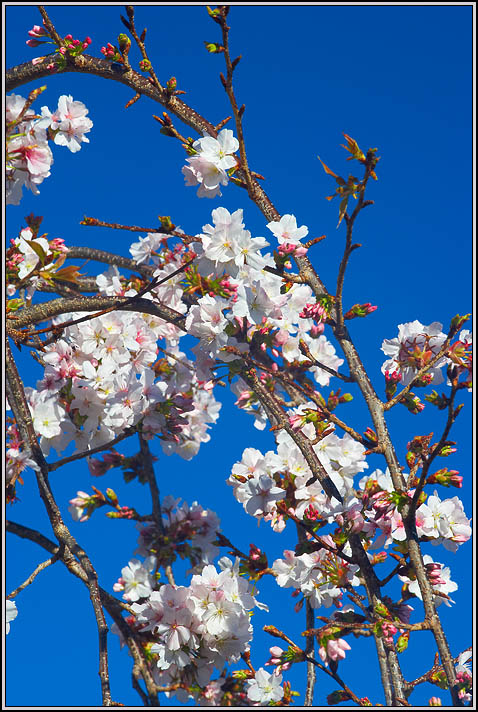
x=342, y=208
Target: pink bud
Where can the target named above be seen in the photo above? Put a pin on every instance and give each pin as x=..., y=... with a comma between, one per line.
x=276, y=651
x=281, y=337
x=317, y=329
x=37, y=31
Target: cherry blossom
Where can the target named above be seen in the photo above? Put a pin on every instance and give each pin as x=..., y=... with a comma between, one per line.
x=415, y=346
x=207, y=167
x=265, y=687
x=445, y=585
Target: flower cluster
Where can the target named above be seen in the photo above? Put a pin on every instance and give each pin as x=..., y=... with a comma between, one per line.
x=439, y=577
x=188, y=531
x=438, y=521
x=210, y=160
x=99, y=380
x=413, y=349
x=259, y=481
x=32, y=259
x=194, y=629
x=319, y=575
x=29, y=157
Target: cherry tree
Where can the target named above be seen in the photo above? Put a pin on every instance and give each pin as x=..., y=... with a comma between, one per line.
x=140, y=351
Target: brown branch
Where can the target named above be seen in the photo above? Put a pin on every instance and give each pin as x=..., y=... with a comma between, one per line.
x=309, y=644
x=310, y=394
x=20, y=408
x=34, y=574
x=268, y=400
x=90, y=253
x=47, y=310
x=306, y=351
x=49, y=26
x=147, y=461
x=302, y=526
x=94, y=222
x=87, y=453
x=114, y=607
x=280, y=634
x=156, y=282
x=142, y=47
x=427, y=675
x=238, y=113
x=86, y=64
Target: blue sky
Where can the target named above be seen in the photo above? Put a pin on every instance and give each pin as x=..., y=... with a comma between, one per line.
x=394, y=77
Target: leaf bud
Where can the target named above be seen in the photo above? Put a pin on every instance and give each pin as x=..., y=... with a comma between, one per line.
x=112, y=496
x=213, y=48
x=402, y=641
x=458, y=321
x=337, y=696
x=124, y=43
x=382, y=610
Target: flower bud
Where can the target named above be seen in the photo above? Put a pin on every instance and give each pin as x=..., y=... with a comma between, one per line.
x=360, y=310
x=171, y=84
x=38, y=31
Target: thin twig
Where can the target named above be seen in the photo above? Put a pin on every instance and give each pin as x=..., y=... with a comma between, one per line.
x=34, y=574
x=114, y=607
x=148, y=469
x=87, y=453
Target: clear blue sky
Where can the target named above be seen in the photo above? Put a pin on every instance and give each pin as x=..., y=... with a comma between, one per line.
x=394, y=77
